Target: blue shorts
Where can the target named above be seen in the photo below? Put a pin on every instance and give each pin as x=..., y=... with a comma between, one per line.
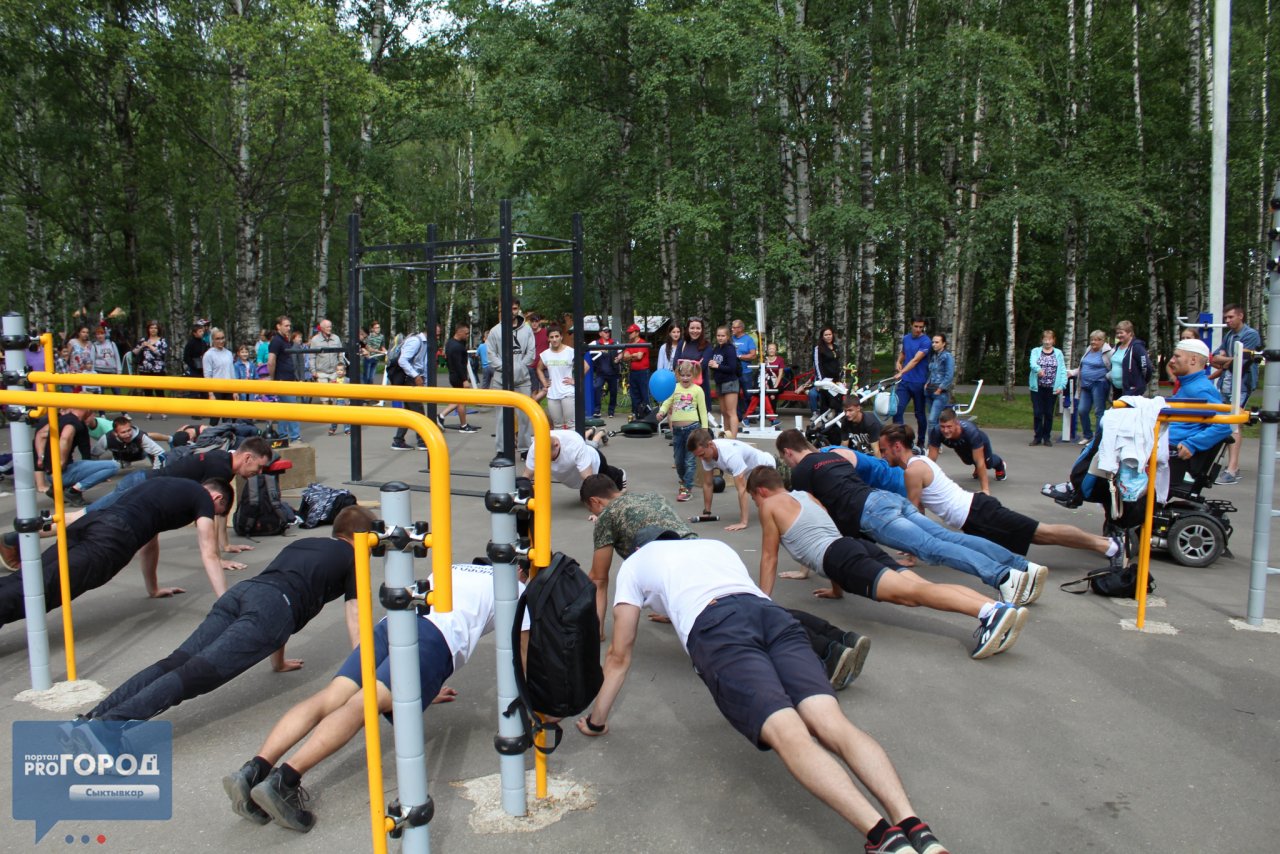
x=755, y=659
x=435, y=660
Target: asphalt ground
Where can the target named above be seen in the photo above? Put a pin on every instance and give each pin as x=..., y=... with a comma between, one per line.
x=1085, y=737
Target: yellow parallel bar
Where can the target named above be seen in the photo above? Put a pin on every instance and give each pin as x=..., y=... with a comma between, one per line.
x=60, y=522
x=1148, y=519
x=540, y=766
x=540, y=547
x=369, y=688
x=438, y=451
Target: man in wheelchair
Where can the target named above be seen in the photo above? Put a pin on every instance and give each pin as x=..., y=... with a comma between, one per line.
x=1194, y=529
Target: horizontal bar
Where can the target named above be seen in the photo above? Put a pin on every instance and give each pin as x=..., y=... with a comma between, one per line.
x=541, y=552
x=392, y=247
x=527, y=235
x=520, y=252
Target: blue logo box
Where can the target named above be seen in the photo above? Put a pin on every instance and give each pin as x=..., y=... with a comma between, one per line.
x=92, y=770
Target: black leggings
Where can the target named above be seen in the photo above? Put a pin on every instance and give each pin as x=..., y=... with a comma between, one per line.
x=822, y=635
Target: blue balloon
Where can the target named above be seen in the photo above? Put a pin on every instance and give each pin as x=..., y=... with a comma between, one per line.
x=661, y=385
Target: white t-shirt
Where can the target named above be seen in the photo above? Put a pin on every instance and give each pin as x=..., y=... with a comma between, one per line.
x=678, y=578
x=738, y=458
x=944, y=496
x=473, y=611
x=575, y=454
x=559, y=368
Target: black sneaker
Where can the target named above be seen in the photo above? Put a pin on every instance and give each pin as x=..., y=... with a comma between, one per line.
x=624, y=479
x=468, y=428
x=287, y=806
x=894, y=841
x=923, y=840
x=992, y=631
x=1118, y=560
x=399, y=446
x=844, y=661
x=1002, y=473
x=237, y=787
x=73, y=497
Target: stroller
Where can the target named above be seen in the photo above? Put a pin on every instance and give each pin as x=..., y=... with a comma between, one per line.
x=1194, y=530
x=825, y=429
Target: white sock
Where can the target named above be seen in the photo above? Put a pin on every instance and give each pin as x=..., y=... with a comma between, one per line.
x=1112, y=548
x=986, y=610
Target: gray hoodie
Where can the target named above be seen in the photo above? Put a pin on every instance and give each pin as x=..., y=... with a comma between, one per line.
x=525, y=351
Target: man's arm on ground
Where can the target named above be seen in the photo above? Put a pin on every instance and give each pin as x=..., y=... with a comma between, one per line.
x=149, y=555
x=351, y=612
x=914, y=478
x=740, y=481
x=617, y=661
x=980, y=469
x=769, y=539
x=933, y=452
x=280, y=664
x=208, y=541
x=599, y=575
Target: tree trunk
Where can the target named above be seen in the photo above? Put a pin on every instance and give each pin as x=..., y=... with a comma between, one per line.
x=377, y=44
x=326, y=213
x=247, y=284
x=866, y=174
x=1257, y=288
x=1010, y=316
x=38, y=298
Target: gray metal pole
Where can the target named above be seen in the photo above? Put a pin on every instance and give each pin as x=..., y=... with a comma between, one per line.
x=406, y=684
x=502, y=481
x=1218, y=183
x=24, y=487
x=1263, y=501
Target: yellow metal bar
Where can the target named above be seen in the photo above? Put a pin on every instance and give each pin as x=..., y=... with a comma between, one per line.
x=540, y=766
x=540, y=547
x=1144, y=548
x=369, y=687
x=438, y=451
x=54, y=446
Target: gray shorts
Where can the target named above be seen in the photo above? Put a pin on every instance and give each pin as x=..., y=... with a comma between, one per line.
x=730, y=387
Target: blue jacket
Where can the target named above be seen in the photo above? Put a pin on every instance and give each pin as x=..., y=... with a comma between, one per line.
x=942, y=371
x=1197, y=437
x=1059, y=378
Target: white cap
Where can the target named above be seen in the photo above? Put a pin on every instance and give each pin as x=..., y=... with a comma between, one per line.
x=1194, y=345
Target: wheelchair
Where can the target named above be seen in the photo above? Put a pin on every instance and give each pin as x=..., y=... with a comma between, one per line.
x=1194, y=530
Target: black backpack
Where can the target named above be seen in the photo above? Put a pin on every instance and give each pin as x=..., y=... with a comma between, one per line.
x=1117, y=583
x=563, y=674
x=321, y=504
x=261, y=512
x=395, y=373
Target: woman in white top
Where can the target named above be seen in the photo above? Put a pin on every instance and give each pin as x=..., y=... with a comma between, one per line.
x=667, y=351
x=555, y=370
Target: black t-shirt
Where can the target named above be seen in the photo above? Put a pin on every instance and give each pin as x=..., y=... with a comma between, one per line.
x=199, y=467
x=193, y=356
x=80, y=442
x=284, y=361
x=834, y=482
x=455, y=356
x=970, y=438
x=869, y=426
x=160, y=504
x=311, y=573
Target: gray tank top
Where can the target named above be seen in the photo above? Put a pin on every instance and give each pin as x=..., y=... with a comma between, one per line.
x=812, y=533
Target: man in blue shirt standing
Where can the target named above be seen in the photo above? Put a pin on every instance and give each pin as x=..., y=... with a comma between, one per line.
x=748, y=356
x=912, y=374
x=1224, y=360
x=280, y=366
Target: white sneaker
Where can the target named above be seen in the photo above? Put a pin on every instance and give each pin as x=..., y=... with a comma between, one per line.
x=1036, y=577
x=1014, y=587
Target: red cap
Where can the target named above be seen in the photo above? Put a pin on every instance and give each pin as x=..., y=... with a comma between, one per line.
x=633, y=328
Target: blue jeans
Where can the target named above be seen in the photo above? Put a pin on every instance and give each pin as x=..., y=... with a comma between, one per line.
x=913, y=392
x=685, y=461
x=638, y=382
x=602, y=384
x=1093, y=396
x=370, y=368
x=935, y=403
x=893, y=521
x=87, y=474
x=291, y=430
x=123, y=485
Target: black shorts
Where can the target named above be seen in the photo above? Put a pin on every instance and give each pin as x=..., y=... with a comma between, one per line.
x=457, y=382
x=856, y=565
x=991, y=520
x=755, y=660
